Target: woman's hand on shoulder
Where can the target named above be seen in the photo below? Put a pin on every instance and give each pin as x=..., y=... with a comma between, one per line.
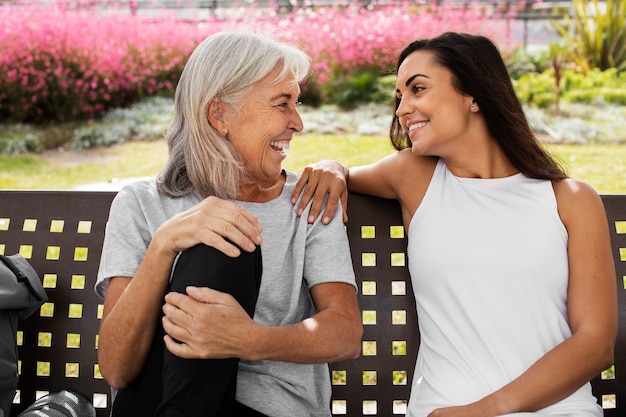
x=390, y=177
x=318, y=180
x=221, y=224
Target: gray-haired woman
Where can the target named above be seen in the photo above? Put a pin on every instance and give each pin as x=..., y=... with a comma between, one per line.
x=235, y=115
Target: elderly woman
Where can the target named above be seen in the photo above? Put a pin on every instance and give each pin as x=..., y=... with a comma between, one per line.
x=222, y=194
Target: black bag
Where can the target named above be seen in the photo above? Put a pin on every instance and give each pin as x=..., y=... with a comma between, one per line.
x=60, y=404
x=21, y=294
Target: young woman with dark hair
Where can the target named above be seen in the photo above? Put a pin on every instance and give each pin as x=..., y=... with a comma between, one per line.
x=510, y=259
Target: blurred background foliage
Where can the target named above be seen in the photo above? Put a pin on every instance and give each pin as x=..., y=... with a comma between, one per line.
x=76, y=76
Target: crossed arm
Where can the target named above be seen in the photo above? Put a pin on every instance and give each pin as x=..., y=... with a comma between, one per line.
x=132, y=307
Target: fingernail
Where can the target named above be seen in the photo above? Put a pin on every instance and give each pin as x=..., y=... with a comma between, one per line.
x=299, y=212
x=311, y=219
x=326, y=220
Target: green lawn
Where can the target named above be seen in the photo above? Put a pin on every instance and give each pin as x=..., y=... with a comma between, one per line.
x=602, y=166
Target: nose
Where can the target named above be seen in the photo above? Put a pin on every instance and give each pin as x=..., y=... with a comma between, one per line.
x=402, y=108
x=295, y=121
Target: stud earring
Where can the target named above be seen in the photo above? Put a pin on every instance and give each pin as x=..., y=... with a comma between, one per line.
x=473, y=106
x=225, y=131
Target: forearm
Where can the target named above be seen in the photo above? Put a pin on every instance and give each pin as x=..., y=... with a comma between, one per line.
x=130, y=319
x=328, y=336
x=555, y=376
x=591, y=304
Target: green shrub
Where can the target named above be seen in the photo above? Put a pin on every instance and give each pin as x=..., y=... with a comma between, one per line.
x=530, y=85
x=597, y=34
x=597, y=96
x=19, y=142
x=525, y=60
x=384, y=90
x=349, y=91
x=587, y=96
x=544, y=100
x=613, y=95
x=534, y=89
x=100, y=135
x=146, y=120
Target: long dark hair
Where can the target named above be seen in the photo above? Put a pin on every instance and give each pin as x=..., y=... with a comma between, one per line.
x=478, y=70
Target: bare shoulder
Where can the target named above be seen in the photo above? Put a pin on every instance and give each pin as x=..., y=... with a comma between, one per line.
x=393, y=175
x=418, y=168
x=413, y=182
x=576, y=199
x=411, y=172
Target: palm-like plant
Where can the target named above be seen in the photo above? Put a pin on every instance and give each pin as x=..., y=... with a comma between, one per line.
x=597, y=32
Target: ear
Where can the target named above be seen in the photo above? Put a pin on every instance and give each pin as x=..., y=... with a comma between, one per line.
x=215, y=115
x=474, y=106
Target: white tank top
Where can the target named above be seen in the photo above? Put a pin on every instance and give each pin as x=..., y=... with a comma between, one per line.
x=488, y=262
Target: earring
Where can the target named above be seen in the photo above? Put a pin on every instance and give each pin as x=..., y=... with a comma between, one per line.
x=473, y=107
x=225, y=131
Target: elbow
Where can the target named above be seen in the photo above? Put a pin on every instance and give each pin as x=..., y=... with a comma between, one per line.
x=115, y=383
x=606, y=357
x=115, y=377
x=356, y=352
x=603, y=356
x=358, y=342
x=352, y=348
x=606, y=352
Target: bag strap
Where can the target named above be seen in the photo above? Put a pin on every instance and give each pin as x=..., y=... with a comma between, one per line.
x=37, y=407
x=20, y=277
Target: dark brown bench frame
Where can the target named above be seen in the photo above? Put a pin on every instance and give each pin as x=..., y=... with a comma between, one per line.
x=61, y=233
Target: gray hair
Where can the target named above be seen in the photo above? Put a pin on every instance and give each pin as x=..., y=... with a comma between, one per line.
x=226, y=65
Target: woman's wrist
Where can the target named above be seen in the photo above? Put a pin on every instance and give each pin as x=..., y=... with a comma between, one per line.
x=162, y=245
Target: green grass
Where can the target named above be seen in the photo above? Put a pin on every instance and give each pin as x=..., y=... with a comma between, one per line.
x=602, y=166
x=67, y=170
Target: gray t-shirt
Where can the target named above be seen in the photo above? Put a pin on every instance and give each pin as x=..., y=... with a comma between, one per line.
x=296, y=257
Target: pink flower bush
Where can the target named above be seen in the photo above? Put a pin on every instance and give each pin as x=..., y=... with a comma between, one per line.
x=64, y=61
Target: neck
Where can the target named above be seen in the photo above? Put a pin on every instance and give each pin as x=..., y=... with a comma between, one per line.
x=255, y=191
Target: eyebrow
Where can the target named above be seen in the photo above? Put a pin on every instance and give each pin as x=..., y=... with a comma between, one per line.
x=286, y=96
x=412, y=77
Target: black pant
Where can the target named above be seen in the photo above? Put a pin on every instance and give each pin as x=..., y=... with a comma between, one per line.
x=171, y=386
x=241, y=410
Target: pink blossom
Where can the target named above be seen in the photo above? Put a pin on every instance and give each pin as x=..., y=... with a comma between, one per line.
x=84, y=59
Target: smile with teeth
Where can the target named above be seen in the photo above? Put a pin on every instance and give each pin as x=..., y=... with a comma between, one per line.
x=416, y=126
x=280, y=146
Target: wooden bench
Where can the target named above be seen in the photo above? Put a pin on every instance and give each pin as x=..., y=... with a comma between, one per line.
x=61, y=234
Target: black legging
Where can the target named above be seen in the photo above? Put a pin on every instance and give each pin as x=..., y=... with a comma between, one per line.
x=171, y=386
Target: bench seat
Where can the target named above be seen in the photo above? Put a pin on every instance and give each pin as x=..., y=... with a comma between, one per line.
x=61, y=234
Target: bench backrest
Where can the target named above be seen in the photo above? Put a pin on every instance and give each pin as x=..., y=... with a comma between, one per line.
x=61, y=233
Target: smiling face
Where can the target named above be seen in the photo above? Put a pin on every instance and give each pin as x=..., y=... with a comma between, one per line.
x=262, y=127
x=435, y=115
